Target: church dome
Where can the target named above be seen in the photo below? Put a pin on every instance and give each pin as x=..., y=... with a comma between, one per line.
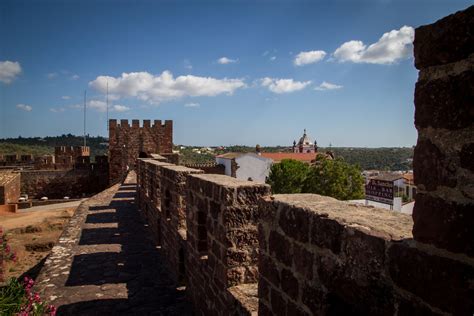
x=305, y=140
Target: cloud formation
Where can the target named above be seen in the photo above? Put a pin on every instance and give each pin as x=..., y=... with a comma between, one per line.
x=391, y=47
x=101, y=106
x=192, y=105
x=51, y=75
x=311, y=57
x=57, y=110
x=66, y=97
x=327, y=86
x=75, y=77
x=225, y=61
x=283, y=85
x=24, y=107
x=164, y=87
x=9, y=70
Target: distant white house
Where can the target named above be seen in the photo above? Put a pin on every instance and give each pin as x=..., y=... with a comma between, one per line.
x=245, y=166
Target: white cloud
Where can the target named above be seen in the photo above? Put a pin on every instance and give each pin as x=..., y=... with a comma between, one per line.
x=225, y=61
x=265, y=53
x=327, y=86
x=305, y=58
x=66, y=97
x=9, y=70
x=101, y=106
x=57, y=110
x=51, y=75
x=391, y=47
x=75, y=77
x=119, y=108
x=163, y=87
x=192, y=105
x=284, y=85
x=24, y=107
x=273, y=58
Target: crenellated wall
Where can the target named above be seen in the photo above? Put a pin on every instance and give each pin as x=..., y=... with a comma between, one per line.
x=321, y=256
x=314, y=255
x=222, y=254
x=129, y=142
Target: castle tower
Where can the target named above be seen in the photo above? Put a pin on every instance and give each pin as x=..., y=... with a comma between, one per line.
x=127, y=143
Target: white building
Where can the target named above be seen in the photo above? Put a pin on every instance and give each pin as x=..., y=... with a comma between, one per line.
x=245, y=166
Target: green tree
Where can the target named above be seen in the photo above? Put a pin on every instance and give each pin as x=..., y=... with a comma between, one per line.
x=288, y=176
x=335, y=178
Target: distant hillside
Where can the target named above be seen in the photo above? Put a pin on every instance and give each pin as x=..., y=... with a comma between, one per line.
x=396, y=158
x=45, y=145
x=390, y=159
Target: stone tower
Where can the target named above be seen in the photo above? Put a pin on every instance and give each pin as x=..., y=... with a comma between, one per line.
x=127, y=143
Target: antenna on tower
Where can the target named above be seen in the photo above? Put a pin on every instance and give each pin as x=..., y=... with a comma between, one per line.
x=85, y=91
x=107, y=102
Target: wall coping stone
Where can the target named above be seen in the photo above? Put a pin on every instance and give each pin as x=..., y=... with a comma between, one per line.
x=179, y=168
x=377, y=221
x=224, y=180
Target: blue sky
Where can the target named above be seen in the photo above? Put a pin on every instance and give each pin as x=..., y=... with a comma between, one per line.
x=226, y=72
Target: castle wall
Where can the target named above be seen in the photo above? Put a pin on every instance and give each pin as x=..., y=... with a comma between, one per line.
x=9, y=187
x=222, y=240
x=127, y=142
x=61, y=183
x=444, y=117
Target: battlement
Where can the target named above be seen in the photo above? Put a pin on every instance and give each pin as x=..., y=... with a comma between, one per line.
x=114, y=124
x=127, y=142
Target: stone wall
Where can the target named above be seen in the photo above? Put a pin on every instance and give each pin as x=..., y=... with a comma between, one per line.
x=173, y=209
x=61, y=183
x=9, y=187
x=210, y=167
x=207, y=228
x=313, y=255
x=127, y=143
x=222, y=241
x=444, y=117
x=320, y=256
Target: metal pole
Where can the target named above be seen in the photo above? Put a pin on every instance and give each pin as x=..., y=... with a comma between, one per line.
x=85, y=91
x=107, y=101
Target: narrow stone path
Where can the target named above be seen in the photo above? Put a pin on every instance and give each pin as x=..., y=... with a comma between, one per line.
x=105, y=262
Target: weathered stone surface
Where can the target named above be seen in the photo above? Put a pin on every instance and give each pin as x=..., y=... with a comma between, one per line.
x=467, y=157
x=432, y=167
x=446, y=102
x=442, y=282
x=447, y=40
x=444, y=224
x=127, y=143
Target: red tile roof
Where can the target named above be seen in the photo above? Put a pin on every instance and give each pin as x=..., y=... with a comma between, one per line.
x=277, y=157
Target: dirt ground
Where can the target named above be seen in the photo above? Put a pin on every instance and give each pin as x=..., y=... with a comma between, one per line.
x=31, y=235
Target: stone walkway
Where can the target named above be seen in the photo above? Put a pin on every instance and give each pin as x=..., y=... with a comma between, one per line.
x=104, y=262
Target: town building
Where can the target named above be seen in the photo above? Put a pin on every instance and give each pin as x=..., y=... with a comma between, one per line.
x=305, y=145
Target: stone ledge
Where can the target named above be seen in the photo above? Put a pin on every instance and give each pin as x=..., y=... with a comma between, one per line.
x=378, y=221
x=227, y=181
x=246, y=298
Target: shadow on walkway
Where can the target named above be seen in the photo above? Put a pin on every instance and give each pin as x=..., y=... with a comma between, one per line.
x=136, y=275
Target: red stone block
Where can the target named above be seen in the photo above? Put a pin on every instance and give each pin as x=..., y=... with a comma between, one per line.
x=444, y=224
x=431, y=167
x=442, y=282
x=445, y=103
x=448, y=40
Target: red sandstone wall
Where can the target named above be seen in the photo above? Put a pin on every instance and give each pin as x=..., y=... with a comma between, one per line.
x=127, y=142
x=222, y=241
x=444, y=117
x=61, y=183
x=10, y=191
